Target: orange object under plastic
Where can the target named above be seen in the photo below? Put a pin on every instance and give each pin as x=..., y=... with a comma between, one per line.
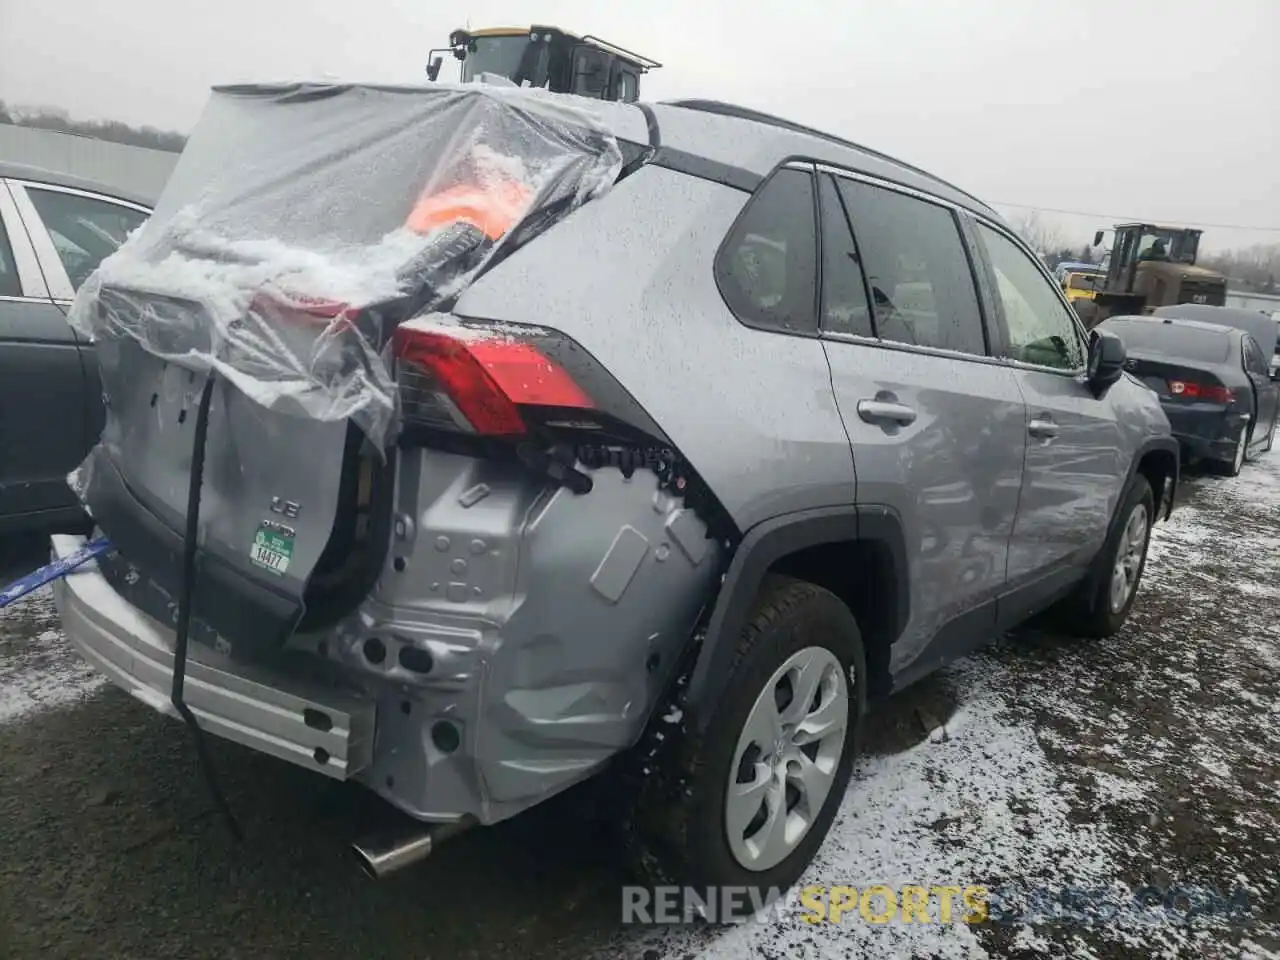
x=492, y=209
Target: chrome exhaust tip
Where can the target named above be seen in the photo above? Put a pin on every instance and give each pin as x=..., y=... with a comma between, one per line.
x=382, y=854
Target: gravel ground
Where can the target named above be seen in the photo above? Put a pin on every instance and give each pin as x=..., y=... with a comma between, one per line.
x=1041, y=764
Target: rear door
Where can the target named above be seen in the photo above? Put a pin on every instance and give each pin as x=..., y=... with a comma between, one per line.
x=72, y=232
x=1076, y=460
x=937, y=427
x=43, y=433
x=1265, y=390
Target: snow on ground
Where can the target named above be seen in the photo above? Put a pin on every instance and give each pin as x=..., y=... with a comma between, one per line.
x=38, y=668
x=1149, y=759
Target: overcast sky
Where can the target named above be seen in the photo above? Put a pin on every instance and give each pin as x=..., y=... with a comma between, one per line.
x=1130, y=108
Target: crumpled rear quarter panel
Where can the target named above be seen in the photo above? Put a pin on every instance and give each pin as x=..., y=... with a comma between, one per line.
x=552, y=621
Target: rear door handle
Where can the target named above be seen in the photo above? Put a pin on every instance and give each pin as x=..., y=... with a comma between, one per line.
x=885, y=411
x=1042, y=428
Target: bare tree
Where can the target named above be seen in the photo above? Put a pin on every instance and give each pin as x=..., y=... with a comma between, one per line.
x=1044, y=238
x=56, y=118
x=1250, y=269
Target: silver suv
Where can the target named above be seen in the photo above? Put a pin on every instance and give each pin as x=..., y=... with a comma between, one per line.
x=469, y=442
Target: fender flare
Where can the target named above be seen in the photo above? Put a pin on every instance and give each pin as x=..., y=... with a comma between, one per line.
x=1152, y=444
x=760, y=548
x=1169, y=445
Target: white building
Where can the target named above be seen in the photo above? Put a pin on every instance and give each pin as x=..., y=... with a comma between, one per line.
x=136, y=170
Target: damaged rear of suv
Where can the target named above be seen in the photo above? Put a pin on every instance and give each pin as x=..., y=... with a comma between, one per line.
x=444, y=424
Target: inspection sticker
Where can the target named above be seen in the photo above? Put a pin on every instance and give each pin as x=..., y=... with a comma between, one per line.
x=272, y=547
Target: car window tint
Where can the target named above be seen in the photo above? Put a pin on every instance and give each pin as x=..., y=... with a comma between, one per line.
x=767, y=268
x=10, y=285
x=1041, y=329
x=84, y=230
x=916, y=268
x=844, y=295
x=1254, y=362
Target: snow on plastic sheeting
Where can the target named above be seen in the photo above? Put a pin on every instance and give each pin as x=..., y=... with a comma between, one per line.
x=304, y=222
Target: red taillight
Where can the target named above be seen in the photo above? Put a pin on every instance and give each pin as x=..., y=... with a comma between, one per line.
x=1210, y=393
x=493, y=207
x=278, y=305
x=484, y=379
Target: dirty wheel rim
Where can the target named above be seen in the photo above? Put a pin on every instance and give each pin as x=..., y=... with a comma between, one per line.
x=1129, y=553
x=786, y=758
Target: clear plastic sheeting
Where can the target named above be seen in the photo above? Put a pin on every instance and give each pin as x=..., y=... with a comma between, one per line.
x=304, y=222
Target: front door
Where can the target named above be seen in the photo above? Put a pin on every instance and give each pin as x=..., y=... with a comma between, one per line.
x=1075, y=463
x=937, y=428
x=1266, y=390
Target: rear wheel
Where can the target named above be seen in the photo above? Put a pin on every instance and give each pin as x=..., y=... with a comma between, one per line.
x=748, y=802
x=1232, y=467
x=1102, y=604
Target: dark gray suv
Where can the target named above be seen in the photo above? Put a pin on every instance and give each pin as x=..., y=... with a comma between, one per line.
x=481, y=440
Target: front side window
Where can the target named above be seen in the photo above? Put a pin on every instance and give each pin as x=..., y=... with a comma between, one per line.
x=590, y=72
x=766, y=268
x=1041, y=330
x=1253, y=360
x=628, y=87
x=10, y=285
x=917, y=271
x=85, y=230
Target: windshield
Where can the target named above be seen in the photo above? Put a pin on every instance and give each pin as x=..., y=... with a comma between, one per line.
x=506, y=56
x=1083, y=281
x=1171, y=340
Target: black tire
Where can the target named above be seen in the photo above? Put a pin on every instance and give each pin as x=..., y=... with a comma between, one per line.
x=676, y=832
x=1088, y=612
x=1230, y=468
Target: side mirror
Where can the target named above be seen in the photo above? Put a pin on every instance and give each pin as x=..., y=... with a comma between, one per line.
x=433, y=68
x=1097, y=239
x=1106, y=361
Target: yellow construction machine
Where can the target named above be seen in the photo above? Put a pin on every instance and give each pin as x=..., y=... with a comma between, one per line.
x=548, y=57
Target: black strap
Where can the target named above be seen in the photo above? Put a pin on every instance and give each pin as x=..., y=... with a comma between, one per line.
x=183, y=627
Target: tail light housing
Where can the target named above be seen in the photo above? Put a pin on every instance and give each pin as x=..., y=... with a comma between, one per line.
x=468, y=380
x=492, y=207
x=1208, y=392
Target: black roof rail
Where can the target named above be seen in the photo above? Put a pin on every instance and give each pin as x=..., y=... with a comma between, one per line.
x=746, y=113
x=645, y=63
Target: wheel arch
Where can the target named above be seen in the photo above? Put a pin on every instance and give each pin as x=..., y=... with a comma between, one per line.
x=1158, y=460
x=818, y=546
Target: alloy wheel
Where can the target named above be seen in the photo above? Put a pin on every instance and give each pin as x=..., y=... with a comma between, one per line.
x=1129, y=554
x=786, y=758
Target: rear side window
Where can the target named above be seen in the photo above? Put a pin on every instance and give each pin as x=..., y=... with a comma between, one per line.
x=767, y=267
x=10, y=286
x=917, y=270
x=845, y=308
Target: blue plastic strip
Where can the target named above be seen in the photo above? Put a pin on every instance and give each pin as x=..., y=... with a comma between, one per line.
x=52, y=571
